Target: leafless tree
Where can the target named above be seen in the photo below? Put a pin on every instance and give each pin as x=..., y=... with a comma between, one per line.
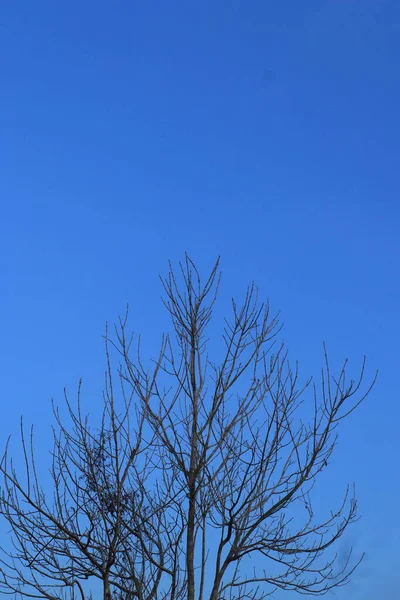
x=197, y=483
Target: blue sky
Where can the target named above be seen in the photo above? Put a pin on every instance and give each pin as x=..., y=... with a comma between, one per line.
x=266, y=132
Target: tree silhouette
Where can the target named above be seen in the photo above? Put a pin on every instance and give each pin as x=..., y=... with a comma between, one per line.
x=198, y=483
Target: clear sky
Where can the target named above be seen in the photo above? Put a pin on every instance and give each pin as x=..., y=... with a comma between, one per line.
x=266, y=132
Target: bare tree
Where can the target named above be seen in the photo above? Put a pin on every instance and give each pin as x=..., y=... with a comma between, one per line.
x=197, y=484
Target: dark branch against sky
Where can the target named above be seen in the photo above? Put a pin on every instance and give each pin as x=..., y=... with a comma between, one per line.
x=263, y=132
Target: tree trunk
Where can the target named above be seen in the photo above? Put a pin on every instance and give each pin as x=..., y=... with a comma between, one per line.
x=107, y=591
